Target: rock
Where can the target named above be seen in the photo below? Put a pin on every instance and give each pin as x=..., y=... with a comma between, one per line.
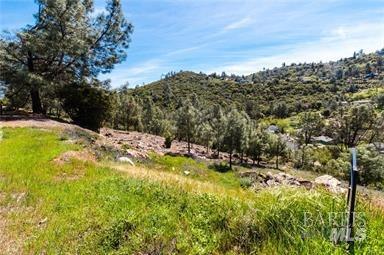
x=271, y=183
x=125, y=160
x=331, y=183
x=43, y=221
x=136, y=154
x=306, y=184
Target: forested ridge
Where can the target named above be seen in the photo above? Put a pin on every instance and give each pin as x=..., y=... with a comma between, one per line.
x=301, y=86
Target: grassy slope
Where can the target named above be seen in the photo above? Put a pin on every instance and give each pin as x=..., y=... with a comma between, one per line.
x=89, y=209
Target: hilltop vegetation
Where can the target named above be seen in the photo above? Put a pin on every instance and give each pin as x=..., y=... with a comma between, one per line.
x=296, y=87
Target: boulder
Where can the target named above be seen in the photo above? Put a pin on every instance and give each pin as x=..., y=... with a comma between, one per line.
x=331, y=183
x=125, y=160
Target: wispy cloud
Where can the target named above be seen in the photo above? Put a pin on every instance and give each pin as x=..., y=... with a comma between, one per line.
x=244, y=22
x=335, y=44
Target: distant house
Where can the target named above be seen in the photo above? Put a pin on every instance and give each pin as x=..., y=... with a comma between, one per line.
x=322, y=139
x=273, y=129
x=370, y=75
x=360, y=102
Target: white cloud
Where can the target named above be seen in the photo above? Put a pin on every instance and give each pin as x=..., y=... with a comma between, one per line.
x=238, y=24
x=133, y=75
x=185, y=50
x=335, y=44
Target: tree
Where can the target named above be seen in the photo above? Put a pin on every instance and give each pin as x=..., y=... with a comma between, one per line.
x=277, y=148
x=256, y=146
x=218, y=124
x=380, y=101
x=128, y=112
x=67, y=44
x=351, y=127
x=153, y=118
x=186, y=123
x=88, y=106
x=281, y=110
x=205, y=135
x=167, y=95
x=310, y=123
x=233, y=133
x=244, y=130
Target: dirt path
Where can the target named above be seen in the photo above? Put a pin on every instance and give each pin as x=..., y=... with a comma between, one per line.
x=35, y=121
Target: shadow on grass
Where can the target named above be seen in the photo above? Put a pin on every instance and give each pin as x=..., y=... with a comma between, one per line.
x=220, y=167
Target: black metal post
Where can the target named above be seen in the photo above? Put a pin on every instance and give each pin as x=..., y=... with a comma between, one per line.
x=351, y=202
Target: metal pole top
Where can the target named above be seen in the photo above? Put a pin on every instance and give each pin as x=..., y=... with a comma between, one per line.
x=354, y=159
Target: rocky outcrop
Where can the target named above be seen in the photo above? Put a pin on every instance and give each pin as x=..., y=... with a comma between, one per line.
x=330, y=183
x=262, y=180
x=269, y=180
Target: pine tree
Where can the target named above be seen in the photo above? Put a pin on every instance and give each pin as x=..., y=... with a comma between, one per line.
x=68, y=43
x=233, y=133
x=205, y=135
x=186, y=123
x=310, y=123
x=218, y=124
x=277, y=148
x=257, y=145
x=167, y=95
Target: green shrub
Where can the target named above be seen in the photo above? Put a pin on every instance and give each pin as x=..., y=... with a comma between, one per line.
x=380, y=101
x=220, y=167
x=86, y=104
x=168, y=142
x=245, y=182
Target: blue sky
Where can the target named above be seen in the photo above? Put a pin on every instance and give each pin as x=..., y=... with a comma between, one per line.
x=233, y=36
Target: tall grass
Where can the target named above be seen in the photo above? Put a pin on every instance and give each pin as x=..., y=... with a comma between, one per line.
x=83, y=208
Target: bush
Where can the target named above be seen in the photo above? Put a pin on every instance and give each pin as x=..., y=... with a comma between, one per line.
x=371, y=166
x=220, y=167
x=337, y=168
x=86, y=104
x=245, y=182
x=380, y=101
x=168, y=142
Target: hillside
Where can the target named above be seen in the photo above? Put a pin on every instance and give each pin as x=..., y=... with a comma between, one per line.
x=300, y=86
x=62, y=191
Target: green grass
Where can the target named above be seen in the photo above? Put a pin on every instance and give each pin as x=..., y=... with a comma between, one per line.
x=198, y=170
x=365, y=94
x=102, y=211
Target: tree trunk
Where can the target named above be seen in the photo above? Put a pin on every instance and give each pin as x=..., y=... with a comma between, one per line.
x=189, y=145
x=303, y=157
x=277, y=162
x=230, y=160
x=36, y=102
x=35, y=96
